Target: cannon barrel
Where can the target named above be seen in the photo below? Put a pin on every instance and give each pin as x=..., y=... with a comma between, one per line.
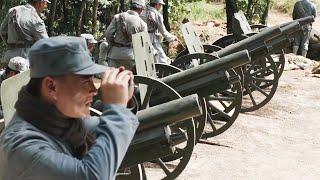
x=205, y=79
x=154, y=139
x=206, y=70
x=251, y=43
x=170, y=112
x=301, y=21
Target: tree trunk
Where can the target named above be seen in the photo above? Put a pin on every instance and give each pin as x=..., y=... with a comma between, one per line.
x=249, y=12
x=264, y=17
x=166, y=15
x=94, y=18
x=53, y=8
x=122, y=8
x=65, y=15
x=85, y=18
x=79, y=23
x=231, y=8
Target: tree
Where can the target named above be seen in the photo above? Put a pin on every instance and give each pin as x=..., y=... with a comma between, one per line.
x=52, y=16
x=94, y=18
x=231, y=8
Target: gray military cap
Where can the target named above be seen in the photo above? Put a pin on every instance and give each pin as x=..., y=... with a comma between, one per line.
x=39, y=0
x=138, y=3
x=89, y=38
x=158, y=1
x=62, y=55
x=19, y=64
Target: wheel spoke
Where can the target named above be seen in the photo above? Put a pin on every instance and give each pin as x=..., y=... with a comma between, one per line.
x=221, y=113
x=163, y=166
x=261, y=70
x=211, y=123
x=250, y=95
x=262, y=79
x=147, y=97
x=259, y=89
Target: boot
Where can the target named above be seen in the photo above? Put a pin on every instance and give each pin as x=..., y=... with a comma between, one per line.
x=304, y=53
x=295, y=50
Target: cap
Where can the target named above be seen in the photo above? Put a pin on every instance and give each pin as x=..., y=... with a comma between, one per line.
x=18, y=64
x=39, y=0
x=61, y=55
x=89, y=38
x=157, y=1
x=138, y=3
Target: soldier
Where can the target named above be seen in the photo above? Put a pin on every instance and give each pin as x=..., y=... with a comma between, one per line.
x=155, y=24
x=119, y=35
x=90, y=41
x=22, y=27
x=303, y=8
x=15, y=66
x=52, y=135
x=103, y=50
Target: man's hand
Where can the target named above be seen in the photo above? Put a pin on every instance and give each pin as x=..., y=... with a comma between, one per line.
x=117, y=86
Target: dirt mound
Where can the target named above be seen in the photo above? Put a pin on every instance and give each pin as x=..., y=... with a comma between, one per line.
x=294, y=62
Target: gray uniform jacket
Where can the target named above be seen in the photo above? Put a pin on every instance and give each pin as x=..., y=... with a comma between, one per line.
x=21, y=27
x=120, y=42
x=28, y=153
x=155, y=24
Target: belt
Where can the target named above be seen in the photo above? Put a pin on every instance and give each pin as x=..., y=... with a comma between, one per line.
x=151, y=31
x=19, y=45
x=122, y=45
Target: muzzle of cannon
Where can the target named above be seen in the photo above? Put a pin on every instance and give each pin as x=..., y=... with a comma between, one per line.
x=170, y=112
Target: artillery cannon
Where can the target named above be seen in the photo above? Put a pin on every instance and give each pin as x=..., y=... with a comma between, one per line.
x=262, y=74
x=204, y=80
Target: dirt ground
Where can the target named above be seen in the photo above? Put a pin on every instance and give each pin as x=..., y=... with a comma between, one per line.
x=279, y=141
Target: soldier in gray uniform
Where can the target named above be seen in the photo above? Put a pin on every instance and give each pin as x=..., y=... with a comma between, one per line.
x=22, y=27
x=155, y=24
x=303, y=8
x=103, y=50
x=119, y=35
x=52, y=135
x=15, y=66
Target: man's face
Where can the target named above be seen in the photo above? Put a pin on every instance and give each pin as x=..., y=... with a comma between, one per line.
x=158, y=6
x=91, y=47
x=41, y=6
x=74, y=95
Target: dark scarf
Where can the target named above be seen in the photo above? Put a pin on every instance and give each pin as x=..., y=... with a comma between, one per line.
x=49, y=119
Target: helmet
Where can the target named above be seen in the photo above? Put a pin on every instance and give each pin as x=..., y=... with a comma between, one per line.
x=138, y=3
x=157, y=1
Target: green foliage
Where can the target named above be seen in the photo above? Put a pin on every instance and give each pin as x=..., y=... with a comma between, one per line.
x=253, y=9
x=204, y=11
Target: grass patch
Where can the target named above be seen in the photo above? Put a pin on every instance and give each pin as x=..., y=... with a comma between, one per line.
x=204, y=11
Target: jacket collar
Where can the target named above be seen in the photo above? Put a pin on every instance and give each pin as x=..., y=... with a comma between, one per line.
x=29, y=6
x=132, y=12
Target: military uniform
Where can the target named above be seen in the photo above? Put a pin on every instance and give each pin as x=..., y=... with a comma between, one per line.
x=20, y=29
x=155, y=24
x=119, y=37
x=303, y=8
x=103, y=49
